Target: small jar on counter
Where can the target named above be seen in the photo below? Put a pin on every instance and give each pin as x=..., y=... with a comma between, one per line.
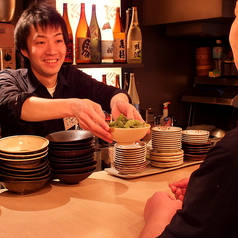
x=229, y=68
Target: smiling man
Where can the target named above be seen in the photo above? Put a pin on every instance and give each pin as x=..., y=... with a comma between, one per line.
x=46, y=96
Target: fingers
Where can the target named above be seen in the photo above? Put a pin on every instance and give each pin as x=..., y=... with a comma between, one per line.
x=127, y=109
x=98, y=127
x=91, y=117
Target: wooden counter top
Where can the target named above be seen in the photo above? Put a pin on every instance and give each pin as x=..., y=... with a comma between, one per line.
x=102, y=206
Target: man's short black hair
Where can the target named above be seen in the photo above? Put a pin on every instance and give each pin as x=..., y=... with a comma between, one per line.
x=38, y=14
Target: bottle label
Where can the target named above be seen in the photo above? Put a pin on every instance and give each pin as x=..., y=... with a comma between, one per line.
x=69, y=51
x=106, y=26
x=107, y=49
x=119, y=50
x=84, y=49
x=135, y=50
x=217, y=52
x=94, y=31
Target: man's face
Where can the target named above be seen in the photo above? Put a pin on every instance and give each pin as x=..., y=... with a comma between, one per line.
x=46, y=52
x=234, y=37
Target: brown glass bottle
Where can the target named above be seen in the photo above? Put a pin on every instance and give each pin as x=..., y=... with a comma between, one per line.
x=95, y=32
x=119, y=37
x=117, y=84
x=82, y=41
x=104, y=78
x=69, y=52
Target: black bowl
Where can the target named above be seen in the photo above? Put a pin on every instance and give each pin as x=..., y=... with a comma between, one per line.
x=70, y=136
x=72, y=178
x=71, y=165
x=71, y=147
x=71, y=153
x=76, y=170
x=71, y=159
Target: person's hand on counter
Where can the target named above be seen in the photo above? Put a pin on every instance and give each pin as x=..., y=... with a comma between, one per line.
x=160, y=207
x=179, y=188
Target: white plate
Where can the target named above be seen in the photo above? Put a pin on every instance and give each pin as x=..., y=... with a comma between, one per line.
x=167, y=129
x=195, y=132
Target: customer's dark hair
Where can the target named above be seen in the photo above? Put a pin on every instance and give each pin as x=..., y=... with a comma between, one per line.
x=37, y=14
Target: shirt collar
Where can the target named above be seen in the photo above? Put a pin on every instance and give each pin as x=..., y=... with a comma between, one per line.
x=34, y=83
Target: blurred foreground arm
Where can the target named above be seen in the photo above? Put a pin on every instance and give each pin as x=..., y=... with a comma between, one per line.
x=159, y=210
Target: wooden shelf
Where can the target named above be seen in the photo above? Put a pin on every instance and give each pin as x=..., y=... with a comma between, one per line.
x=222, y=81
x=109, y=65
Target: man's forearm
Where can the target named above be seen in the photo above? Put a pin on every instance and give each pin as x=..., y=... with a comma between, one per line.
x=41, y=109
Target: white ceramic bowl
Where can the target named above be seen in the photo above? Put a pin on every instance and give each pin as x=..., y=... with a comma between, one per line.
x=125, y=136
x=23, y=144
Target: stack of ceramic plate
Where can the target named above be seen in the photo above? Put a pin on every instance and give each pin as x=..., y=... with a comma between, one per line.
x=71, y=155
x=196, y=151
x=166, y=159
x=195, y=136
x=24, y=167
x=166, y=149
x=130, y=158
x=166, y=138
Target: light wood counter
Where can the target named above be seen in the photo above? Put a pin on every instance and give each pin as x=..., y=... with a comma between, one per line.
x=102, y=206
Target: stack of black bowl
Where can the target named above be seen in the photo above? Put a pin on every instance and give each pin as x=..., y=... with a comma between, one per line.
x=71, y=155
x=24, y=167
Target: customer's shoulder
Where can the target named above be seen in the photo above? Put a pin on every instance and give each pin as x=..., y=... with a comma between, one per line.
x=230, y=139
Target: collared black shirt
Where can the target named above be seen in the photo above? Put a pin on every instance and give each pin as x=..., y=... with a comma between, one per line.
x=18, y=85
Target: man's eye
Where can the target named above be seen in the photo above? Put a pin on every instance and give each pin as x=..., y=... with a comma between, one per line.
x=40, y=42
x=59, y=41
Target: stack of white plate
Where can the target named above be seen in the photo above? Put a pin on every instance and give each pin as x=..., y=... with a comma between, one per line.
x=130, y=158
x=166, y=138
x=195, y=136
x=166, y=149
x=166, y=160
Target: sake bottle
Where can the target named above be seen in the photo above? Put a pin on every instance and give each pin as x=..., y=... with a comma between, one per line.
x=117, y=83
x=132, y=91
x=82, y=41
x=134, y=40
x=107, y=39
x=126, y=81
x=95, y=37
x=69, y=51
x=104, y=78
x=128, y=20
x=119, y=46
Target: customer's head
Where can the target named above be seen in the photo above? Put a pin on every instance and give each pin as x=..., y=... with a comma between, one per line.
x=39, y=14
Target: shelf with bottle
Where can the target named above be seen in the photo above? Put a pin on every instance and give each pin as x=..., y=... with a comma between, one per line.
x=100, y=34
x=118, y=65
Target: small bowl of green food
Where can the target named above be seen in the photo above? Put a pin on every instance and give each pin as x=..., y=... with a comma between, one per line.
x=127, y=131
